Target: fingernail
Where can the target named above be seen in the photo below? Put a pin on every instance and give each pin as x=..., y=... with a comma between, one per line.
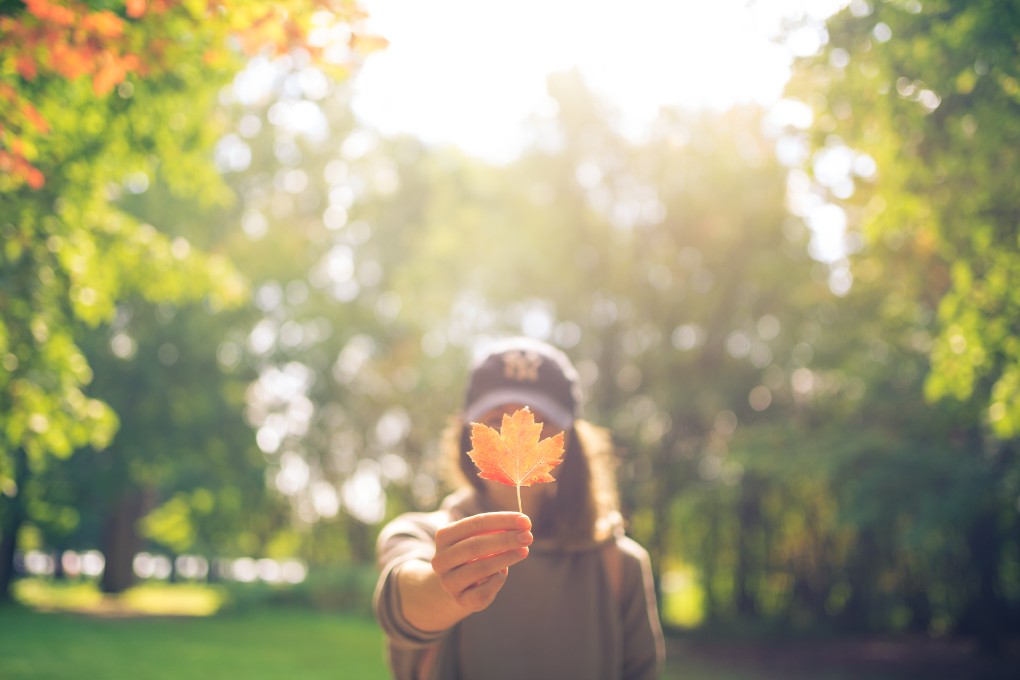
x=524, y=522
x=524, y=537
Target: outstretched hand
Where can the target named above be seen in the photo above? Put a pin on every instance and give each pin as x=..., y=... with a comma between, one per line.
x=473, y=555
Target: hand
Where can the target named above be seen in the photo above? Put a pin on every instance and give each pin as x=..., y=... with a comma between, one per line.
x=473, y=555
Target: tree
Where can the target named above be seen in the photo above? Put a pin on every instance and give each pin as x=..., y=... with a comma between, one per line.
x=324, y=234
x=100, y=95
x=929, y=93
x=914, y=134
x=669, y=268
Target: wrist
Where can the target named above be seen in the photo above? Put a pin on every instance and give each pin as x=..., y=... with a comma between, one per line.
x=425, y=604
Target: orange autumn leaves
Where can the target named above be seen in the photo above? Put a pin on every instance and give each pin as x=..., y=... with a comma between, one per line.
x=516, y=455
x=67, y=39
x=70, y=39
x=107, y=42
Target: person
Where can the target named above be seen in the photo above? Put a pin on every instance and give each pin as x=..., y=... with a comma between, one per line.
x=479, y=591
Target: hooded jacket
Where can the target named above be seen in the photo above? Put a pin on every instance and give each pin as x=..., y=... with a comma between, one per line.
x=583, y=612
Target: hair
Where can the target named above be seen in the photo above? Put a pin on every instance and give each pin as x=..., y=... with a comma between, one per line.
x=584, y=505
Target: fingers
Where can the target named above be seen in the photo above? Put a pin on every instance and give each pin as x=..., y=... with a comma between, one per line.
x=474, y=585
x=479, y=546
x=473, y=555
x=481, y=595
x=480, y=524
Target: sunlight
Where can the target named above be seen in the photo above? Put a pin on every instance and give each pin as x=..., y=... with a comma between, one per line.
x=472, y=73
x=363, y=494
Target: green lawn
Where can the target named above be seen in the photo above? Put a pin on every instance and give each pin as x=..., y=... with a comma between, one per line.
x=259, y=643
x=69, y=631
x=262, y=644
x=255, y=645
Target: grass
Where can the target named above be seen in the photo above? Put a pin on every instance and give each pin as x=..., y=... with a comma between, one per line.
x=260, y=643
x=155, y=631
x=184, y=599
x=256, y=644
x=160, y=631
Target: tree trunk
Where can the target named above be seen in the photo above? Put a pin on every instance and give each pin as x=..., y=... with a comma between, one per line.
x=919, y=604
x=709, y=564
x=749, y=516
x=861, y=577
x=987, y=608
x=360, y=542
x=121, y=541
x=13, y=515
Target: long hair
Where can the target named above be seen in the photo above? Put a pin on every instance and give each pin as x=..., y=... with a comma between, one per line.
x=584, y=505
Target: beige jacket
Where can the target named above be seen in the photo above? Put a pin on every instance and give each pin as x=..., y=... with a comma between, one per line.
x=584, y=613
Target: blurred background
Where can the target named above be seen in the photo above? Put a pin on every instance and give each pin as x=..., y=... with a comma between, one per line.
x=249, y=248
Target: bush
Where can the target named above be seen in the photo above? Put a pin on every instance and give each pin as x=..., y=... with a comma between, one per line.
x=345, y=588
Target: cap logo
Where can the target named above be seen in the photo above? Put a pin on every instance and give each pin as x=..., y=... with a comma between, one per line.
x=521, y=366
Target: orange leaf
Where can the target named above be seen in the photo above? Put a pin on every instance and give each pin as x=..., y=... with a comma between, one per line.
x=135, y=8
x=35, y=179
x=17, y=165
x=25, y=64
x=516, y=455
x=71, y=62
x=104, y=24
x=35, y=118
x=47, y=11
x=130, y=63
x=109, y=75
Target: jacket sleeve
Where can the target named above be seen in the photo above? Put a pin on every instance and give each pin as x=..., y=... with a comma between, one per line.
x=407, y=537
x=644, y=651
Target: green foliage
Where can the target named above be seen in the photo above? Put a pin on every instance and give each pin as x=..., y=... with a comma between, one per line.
x=929, y=91
x=70, y=255
x=914, y=101
x=98, y=106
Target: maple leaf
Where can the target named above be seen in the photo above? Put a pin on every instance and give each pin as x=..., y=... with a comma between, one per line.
x=516, y=455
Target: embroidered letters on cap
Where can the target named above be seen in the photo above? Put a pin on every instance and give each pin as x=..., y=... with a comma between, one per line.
x=524, y=371
x=521, y=366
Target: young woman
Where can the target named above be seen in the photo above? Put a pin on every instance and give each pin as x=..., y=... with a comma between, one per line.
x=578, y=602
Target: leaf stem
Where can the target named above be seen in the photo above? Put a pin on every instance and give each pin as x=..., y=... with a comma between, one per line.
x=520, y=508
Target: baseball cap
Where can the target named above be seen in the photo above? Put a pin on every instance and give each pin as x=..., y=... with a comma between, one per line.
x=525, y=371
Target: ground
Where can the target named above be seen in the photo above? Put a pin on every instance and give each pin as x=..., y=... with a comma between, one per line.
x=879, y=658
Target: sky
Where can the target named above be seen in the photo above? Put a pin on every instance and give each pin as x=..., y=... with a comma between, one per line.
x=471, y=72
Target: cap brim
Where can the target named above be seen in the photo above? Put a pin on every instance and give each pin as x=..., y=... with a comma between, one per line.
x=539, y=402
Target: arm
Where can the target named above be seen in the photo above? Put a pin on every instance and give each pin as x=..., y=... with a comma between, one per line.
x=643, y=646
x=466, y=571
